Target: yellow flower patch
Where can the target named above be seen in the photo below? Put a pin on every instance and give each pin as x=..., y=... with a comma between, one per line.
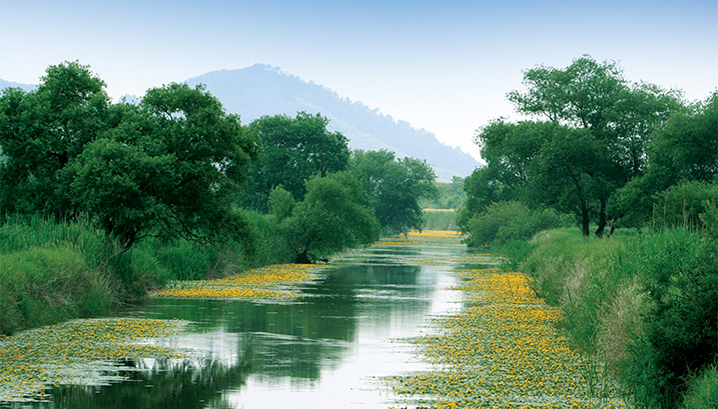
x=80, y=352
x=265, y=283
x=504, y=351
x=437, y=234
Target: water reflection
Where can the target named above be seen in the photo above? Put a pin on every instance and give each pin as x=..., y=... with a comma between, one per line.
x=326, y=348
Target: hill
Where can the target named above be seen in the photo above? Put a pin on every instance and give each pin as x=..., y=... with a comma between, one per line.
x=265, y=90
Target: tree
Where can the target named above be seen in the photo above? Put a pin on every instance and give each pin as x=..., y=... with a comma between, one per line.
x=395, y=187
x=293, y=151
x=42, y=131
x=171, y=167
x=619, y=116
x=335, y=215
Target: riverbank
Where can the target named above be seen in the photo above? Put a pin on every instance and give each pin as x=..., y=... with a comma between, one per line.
x=646, y=305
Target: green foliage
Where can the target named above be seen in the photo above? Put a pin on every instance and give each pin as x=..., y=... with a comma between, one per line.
x=293, y=151
x=682, y=150
x=167, y=167
x=52, y=271
x=335, y=215
x=482, y=188
x=281, y=203
x=682, y=205
x=593, y=143
x=507, y=221
x=170, y=168
x=395, y=188
x=42, y=131
x=702, y=390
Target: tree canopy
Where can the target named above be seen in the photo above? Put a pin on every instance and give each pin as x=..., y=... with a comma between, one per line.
x=293, y=151
x=335, y=215
x=395, y=187
x=168, y=167
x=590, y=140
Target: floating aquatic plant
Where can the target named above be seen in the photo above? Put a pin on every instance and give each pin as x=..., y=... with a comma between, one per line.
x=79, y=352
x=504, y=351
x=269, y=283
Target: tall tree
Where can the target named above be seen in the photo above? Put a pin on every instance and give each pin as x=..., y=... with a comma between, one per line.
x=335, y=215
x=619, y=115
x=171, y=167
x=293, y=151
x=684, y=149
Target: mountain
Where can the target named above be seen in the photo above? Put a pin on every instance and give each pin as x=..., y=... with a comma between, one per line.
x=265, y=90
x=6, y=84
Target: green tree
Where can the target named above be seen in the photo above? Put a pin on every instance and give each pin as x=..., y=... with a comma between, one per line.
x=395, y=187
x=293, y=151
x=619, y=116
x=170, y=168
x=42, y=131
x=509, y=149
x=335, y=215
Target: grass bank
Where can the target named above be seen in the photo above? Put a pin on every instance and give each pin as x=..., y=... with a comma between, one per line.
x=54, y=271
x=646, y=305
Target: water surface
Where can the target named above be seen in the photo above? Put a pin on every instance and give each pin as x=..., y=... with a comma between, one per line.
x=329, y=348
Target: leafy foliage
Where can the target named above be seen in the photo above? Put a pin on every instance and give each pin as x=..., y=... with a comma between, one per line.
x=593, y=143
x=395, y=187
x=335, y=215
x=44, y=130
x=502, y=222
x=169, y=166
x=293, y=151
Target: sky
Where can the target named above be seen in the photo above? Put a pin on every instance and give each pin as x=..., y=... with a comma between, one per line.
x=444, y=66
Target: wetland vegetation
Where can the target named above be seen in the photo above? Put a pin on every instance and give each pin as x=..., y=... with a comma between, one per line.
x=170, y=208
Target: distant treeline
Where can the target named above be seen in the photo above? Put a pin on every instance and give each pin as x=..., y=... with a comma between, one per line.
x=123, y=197
x=605, y=154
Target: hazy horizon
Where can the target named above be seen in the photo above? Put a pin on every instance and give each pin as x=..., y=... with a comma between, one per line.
x=443, y=67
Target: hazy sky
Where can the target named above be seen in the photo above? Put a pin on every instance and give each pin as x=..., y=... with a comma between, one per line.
x=444, y=66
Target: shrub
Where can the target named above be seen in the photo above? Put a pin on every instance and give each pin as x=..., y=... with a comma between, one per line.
x=505, y=221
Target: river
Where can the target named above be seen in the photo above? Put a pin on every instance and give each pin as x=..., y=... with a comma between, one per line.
x=329, y=349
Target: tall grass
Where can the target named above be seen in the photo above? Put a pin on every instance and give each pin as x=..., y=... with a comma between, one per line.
x=646, y=304
x=50, y=272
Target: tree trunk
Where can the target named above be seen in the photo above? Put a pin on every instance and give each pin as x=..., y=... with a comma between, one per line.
x=602, y=220
x=303, y=258
x=585, y=219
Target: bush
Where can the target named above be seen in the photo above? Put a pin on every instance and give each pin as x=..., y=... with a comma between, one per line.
x=505, y=221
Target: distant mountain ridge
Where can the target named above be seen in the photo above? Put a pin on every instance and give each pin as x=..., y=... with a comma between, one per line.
x=265, y=90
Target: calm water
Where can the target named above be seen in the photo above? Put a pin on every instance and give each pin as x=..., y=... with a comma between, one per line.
x=326, y=351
